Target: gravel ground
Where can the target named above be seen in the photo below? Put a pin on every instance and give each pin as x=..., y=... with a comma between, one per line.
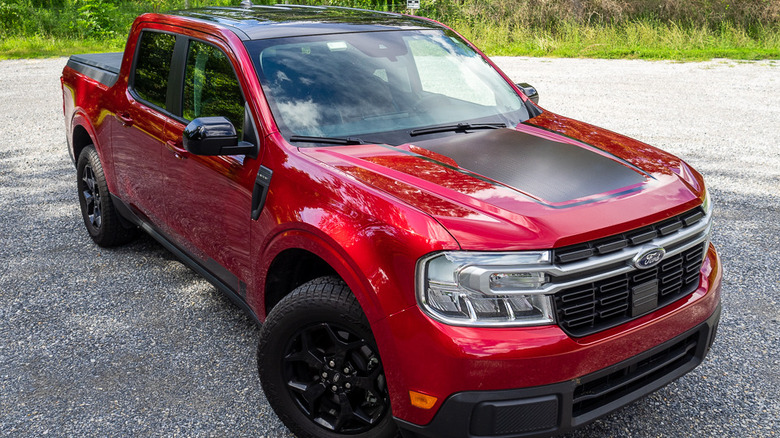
x=128, y=341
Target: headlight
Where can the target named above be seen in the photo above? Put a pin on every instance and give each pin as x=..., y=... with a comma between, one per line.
x=485, y=289
x=707, y=205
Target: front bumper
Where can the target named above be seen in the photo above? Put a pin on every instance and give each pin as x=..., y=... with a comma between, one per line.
x=472, y=366
x=557, y=408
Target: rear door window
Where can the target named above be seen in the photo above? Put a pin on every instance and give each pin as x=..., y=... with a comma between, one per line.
x=153, y=67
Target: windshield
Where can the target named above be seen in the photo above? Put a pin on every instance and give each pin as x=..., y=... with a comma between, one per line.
x=380, y=86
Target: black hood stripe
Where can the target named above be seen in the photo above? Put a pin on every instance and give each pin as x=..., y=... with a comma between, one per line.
x=497, y=184
x=577, y=140
x=557, y=172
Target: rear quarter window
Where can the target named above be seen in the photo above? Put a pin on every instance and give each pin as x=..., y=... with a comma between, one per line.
x=153, y=67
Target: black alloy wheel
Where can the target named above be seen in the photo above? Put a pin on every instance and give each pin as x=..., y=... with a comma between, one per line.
x=97, y=208
x=320, y=367
x=91, y=194
x=336, y=378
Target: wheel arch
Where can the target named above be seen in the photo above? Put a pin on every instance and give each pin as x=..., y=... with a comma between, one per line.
x=82, y=135
x=291, y=268
x=298, y=255
x=374, y=253
x=81, y=139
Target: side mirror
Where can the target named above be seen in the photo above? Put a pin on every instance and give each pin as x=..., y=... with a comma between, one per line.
x=214, y=136
x=529, y=90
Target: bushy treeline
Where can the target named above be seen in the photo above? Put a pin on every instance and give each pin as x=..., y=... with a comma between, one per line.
x=112, y=18
x=550, y=14
x=82, y=18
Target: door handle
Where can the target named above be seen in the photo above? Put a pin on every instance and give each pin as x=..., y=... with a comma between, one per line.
x=125, y=118
x=178, y=151
x=260, y=192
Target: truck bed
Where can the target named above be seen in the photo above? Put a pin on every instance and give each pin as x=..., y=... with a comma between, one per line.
x=103, y=67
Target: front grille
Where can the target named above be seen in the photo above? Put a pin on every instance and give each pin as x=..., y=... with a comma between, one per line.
x=597, y=306
x=574, y=253
x=598, y=392
x=596, y=285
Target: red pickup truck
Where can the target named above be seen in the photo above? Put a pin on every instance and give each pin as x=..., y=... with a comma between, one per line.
x=428, y=251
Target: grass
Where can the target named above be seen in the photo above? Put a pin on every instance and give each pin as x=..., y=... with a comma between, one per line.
x=68, y=27
x=636, y=40
x=639, y=40
x=51, y=28
x=49, y=47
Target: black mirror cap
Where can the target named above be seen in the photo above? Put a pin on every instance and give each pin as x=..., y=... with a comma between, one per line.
x=214, y=136
x=530, y=91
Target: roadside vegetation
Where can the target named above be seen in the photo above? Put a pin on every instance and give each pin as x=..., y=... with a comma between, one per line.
x=649, y=29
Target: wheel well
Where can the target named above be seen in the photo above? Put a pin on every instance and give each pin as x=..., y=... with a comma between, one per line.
x=290, y=269
x=81, y=139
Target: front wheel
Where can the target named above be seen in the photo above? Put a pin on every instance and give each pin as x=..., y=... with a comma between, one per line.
x=320, y=367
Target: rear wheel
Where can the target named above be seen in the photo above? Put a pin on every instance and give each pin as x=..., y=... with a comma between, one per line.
x=97, y=208
x=320, y=367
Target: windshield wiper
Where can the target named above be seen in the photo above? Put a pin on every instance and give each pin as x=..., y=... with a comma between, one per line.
x=456, y=127
x=326, y=140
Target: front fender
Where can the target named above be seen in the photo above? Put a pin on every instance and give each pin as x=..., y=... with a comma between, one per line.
x=370, y=238
x=375, y=258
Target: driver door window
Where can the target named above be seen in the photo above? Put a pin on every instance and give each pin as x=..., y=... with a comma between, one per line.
x=210, y=86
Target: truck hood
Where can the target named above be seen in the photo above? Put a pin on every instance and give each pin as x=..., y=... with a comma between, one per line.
x=546, y=183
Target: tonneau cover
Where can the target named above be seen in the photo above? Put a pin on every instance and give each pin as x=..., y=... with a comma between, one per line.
x=103, y=67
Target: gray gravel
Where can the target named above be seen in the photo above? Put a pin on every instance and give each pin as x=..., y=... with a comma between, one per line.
x=128, y=341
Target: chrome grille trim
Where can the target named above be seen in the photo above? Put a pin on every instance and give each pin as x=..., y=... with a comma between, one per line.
x=605, y=291
x=564, y=276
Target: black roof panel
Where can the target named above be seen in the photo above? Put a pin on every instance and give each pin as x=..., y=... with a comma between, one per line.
x=261, y=22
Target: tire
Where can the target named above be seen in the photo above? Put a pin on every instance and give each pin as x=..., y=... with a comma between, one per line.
x=319, y=365
x=97, y=208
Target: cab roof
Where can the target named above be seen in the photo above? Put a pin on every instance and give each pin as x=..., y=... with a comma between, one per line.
x=262, y=22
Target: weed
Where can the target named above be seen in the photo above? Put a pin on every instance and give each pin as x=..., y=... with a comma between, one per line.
x=653, y=29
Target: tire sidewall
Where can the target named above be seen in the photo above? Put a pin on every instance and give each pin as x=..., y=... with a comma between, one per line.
x=89, y=157
x=111, y=231
x=283, y=323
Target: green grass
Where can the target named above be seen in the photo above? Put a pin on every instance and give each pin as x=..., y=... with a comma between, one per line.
x=50, y=28
x=638, y=39
x=48, y=47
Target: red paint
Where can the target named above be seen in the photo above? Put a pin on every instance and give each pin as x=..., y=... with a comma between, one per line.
x=447, y=359
x=371, y=212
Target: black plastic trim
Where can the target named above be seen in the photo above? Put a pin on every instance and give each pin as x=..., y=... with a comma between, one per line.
x=599, y=305
x=235, y=296
x=102, y=67
x=529, y=90
x=176, y=75
x=260, y=191
x=616, y=242
x=456, y=415
x=175, y=97
x=533, y=109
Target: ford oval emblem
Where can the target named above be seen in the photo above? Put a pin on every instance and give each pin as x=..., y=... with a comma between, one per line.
x=649, y=257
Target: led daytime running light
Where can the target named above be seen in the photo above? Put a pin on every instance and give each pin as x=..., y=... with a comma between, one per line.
x=485, y=289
